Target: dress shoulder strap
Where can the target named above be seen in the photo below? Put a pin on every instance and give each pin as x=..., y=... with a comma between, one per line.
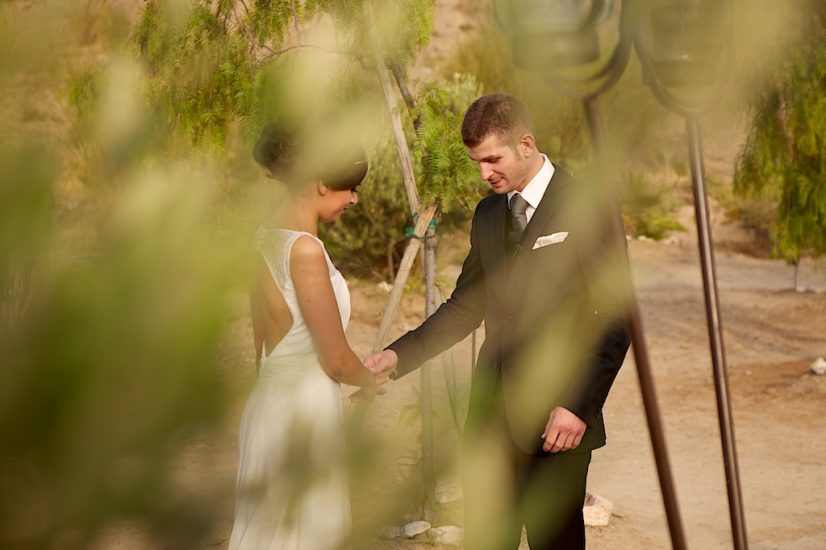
x=275, y=245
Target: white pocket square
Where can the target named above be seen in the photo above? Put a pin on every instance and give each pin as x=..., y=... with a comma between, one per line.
x=554, y=238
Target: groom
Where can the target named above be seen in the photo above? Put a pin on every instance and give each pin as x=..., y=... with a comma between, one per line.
x=538, y=274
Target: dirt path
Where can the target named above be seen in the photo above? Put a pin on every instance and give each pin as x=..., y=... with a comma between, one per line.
x=772, y=335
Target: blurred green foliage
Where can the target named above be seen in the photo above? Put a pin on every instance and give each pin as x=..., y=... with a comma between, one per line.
x=116, y=286
x=370, y=239
x=633, y=118
x=784, y=156
x=128, y=200
x=219, y=65
x=108, y=367
x=209, y=62
x=560, y=128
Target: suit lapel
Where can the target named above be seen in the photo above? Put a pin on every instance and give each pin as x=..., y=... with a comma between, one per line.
x=539, y=221
x=491, y=227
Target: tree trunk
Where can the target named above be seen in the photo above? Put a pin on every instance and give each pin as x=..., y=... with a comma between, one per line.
x=797, y=275
x=426, y=395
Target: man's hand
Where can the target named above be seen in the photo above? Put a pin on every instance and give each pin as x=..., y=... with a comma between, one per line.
x=381, y=364
x=563, y=431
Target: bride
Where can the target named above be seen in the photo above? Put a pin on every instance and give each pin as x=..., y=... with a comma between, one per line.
x=292, y=488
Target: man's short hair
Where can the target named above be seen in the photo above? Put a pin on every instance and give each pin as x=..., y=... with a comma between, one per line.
x=501, y=114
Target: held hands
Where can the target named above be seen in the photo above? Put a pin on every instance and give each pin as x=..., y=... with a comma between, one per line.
x=382, y=364
x=563, y=431
x=366, y=394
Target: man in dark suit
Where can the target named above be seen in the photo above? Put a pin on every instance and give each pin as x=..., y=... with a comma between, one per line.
x=539, y=274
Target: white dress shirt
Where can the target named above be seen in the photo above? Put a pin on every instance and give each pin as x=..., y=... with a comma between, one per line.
x=533, y=192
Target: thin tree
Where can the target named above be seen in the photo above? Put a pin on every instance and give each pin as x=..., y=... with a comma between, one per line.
x=785, y=152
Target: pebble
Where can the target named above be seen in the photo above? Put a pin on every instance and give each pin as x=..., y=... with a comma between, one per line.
x=597, y=510
x=415, y=528
x=818, y=367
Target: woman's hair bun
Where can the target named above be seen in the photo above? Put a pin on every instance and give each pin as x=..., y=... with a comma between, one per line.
x=277, y=147
x=297, y=154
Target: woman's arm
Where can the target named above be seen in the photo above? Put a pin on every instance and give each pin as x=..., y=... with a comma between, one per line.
x=316, y=299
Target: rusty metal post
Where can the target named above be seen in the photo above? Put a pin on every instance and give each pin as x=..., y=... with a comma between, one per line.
x=715, y=333
x=638, y=346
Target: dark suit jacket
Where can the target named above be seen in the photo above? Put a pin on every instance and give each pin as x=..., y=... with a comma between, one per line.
x=555, y=330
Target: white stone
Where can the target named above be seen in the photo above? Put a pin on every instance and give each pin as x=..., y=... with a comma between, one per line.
x=819, y=366
x=446, y=535
x=597, y=510
x=448, y=490
x=595, y=516
x=385, y=286
x=415, y=528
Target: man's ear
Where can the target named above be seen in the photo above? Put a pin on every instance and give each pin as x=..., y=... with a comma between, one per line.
x=321, y=189
x=527, y=145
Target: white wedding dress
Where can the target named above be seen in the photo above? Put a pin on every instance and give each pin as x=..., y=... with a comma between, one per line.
x=292, y=485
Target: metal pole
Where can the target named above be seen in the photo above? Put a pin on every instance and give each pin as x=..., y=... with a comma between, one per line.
x=646, y=380
x=715, y=334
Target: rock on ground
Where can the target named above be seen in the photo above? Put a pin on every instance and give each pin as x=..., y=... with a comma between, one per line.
x=597, y=510
x=415, y=528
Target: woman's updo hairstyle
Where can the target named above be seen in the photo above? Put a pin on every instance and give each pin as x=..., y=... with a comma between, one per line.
x=276, y=149
x=295, y=156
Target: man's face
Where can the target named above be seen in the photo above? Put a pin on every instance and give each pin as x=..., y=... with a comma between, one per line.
x=506, y=166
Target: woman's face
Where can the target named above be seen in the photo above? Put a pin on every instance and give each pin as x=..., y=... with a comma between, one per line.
x=334, y=202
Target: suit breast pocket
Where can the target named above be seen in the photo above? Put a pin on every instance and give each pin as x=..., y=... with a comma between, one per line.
x=557, y=258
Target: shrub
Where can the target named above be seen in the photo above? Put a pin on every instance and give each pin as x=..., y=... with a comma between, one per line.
x=370, y=239
x=646, y=208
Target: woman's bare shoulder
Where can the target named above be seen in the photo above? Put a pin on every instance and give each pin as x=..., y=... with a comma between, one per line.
x=307, y=252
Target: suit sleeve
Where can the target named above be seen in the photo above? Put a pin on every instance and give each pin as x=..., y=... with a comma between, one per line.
x=614, y=336
x=602, y=369
x=453, y=320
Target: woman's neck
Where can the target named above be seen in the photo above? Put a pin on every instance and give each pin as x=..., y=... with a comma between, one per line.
x=297, y=215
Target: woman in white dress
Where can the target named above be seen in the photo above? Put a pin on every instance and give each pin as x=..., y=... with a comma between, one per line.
x=292, y=488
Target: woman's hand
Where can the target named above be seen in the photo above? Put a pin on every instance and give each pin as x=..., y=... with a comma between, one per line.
x=366, y=395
